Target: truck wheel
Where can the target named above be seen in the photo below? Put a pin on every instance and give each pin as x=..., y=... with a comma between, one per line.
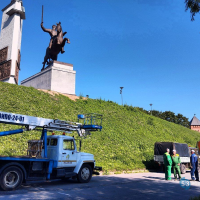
x=183, y=169
x=11, y=178
x=85, y=174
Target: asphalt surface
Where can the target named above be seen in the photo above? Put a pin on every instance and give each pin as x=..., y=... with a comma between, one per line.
x=125, y=186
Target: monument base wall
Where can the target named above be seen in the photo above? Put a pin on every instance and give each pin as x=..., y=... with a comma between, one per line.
x=58, y=77
x=10, y=80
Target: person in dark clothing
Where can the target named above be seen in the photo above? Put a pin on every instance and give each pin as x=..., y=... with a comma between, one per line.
x=194, y=166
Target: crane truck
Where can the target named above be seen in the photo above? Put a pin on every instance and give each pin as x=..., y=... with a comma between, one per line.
x=52, y=156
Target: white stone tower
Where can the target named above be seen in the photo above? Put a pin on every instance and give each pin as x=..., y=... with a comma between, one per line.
x=10, y=41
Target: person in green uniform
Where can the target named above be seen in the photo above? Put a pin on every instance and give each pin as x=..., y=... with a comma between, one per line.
x=168, y=164
x=176, y=165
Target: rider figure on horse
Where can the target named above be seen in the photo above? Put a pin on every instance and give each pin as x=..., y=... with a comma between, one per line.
x=54, y=33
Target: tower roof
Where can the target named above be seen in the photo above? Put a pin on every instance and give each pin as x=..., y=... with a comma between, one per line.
x=16, y=0
x=195, y=121
x=12, y=8
x=11, y=3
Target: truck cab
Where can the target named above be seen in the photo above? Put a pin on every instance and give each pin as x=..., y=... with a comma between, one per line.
x=63, y=150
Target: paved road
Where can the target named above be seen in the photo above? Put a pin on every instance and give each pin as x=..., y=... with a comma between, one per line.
x=125, y=186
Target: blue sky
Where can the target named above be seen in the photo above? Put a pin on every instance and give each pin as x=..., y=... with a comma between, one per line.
x=151, y=48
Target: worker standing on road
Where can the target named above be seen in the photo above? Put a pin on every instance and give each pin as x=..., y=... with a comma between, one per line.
x=176, y=165
x=168, y=164
x=194, y=166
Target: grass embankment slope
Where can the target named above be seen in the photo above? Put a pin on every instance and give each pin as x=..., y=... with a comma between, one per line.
x=126, y=142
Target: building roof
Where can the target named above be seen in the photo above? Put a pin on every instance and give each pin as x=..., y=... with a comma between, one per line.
x=194, y=121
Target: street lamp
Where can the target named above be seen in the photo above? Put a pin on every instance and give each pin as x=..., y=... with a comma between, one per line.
x=121, y=94
x=151, y=107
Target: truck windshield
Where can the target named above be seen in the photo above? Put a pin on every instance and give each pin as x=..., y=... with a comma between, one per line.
x=68, y=144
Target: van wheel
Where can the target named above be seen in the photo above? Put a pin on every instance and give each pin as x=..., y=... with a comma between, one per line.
x=163, y=168
x=183, y=169
x=85, y=174
x=11, y=178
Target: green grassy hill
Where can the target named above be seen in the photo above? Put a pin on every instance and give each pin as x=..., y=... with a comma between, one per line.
x=125, y=143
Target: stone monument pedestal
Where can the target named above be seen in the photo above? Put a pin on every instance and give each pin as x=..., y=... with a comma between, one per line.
x=58, y=77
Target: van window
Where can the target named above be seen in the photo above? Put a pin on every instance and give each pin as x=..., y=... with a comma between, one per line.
x=53, y=142
x=68, y=145
x=47, y=141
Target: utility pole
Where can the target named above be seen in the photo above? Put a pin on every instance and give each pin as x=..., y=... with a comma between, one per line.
x=121, y=94
x=151, y=107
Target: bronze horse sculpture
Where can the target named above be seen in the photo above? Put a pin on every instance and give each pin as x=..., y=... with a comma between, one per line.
x=56, y=45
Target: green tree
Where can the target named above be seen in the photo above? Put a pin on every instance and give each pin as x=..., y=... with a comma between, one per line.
x=180, y=119
x=169, y=116
x=156, y=113
x=193, y=6
x=143, y=110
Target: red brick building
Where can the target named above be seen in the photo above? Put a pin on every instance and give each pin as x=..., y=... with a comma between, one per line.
x=195, y=124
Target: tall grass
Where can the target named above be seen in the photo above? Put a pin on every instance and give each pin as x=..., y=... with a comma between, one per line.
x=125, y=143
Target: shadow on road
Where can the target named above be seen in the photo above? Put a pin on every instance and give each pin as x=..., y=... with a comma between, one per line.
x=146, y=186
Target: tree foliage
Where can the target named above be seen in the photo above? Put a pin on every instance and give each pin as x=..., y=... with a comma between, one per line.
x=193, y=6
x=169, y=116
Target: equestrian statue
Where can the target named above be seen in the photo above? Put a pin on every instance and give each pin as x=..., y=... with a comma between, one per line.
x=57, y=42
